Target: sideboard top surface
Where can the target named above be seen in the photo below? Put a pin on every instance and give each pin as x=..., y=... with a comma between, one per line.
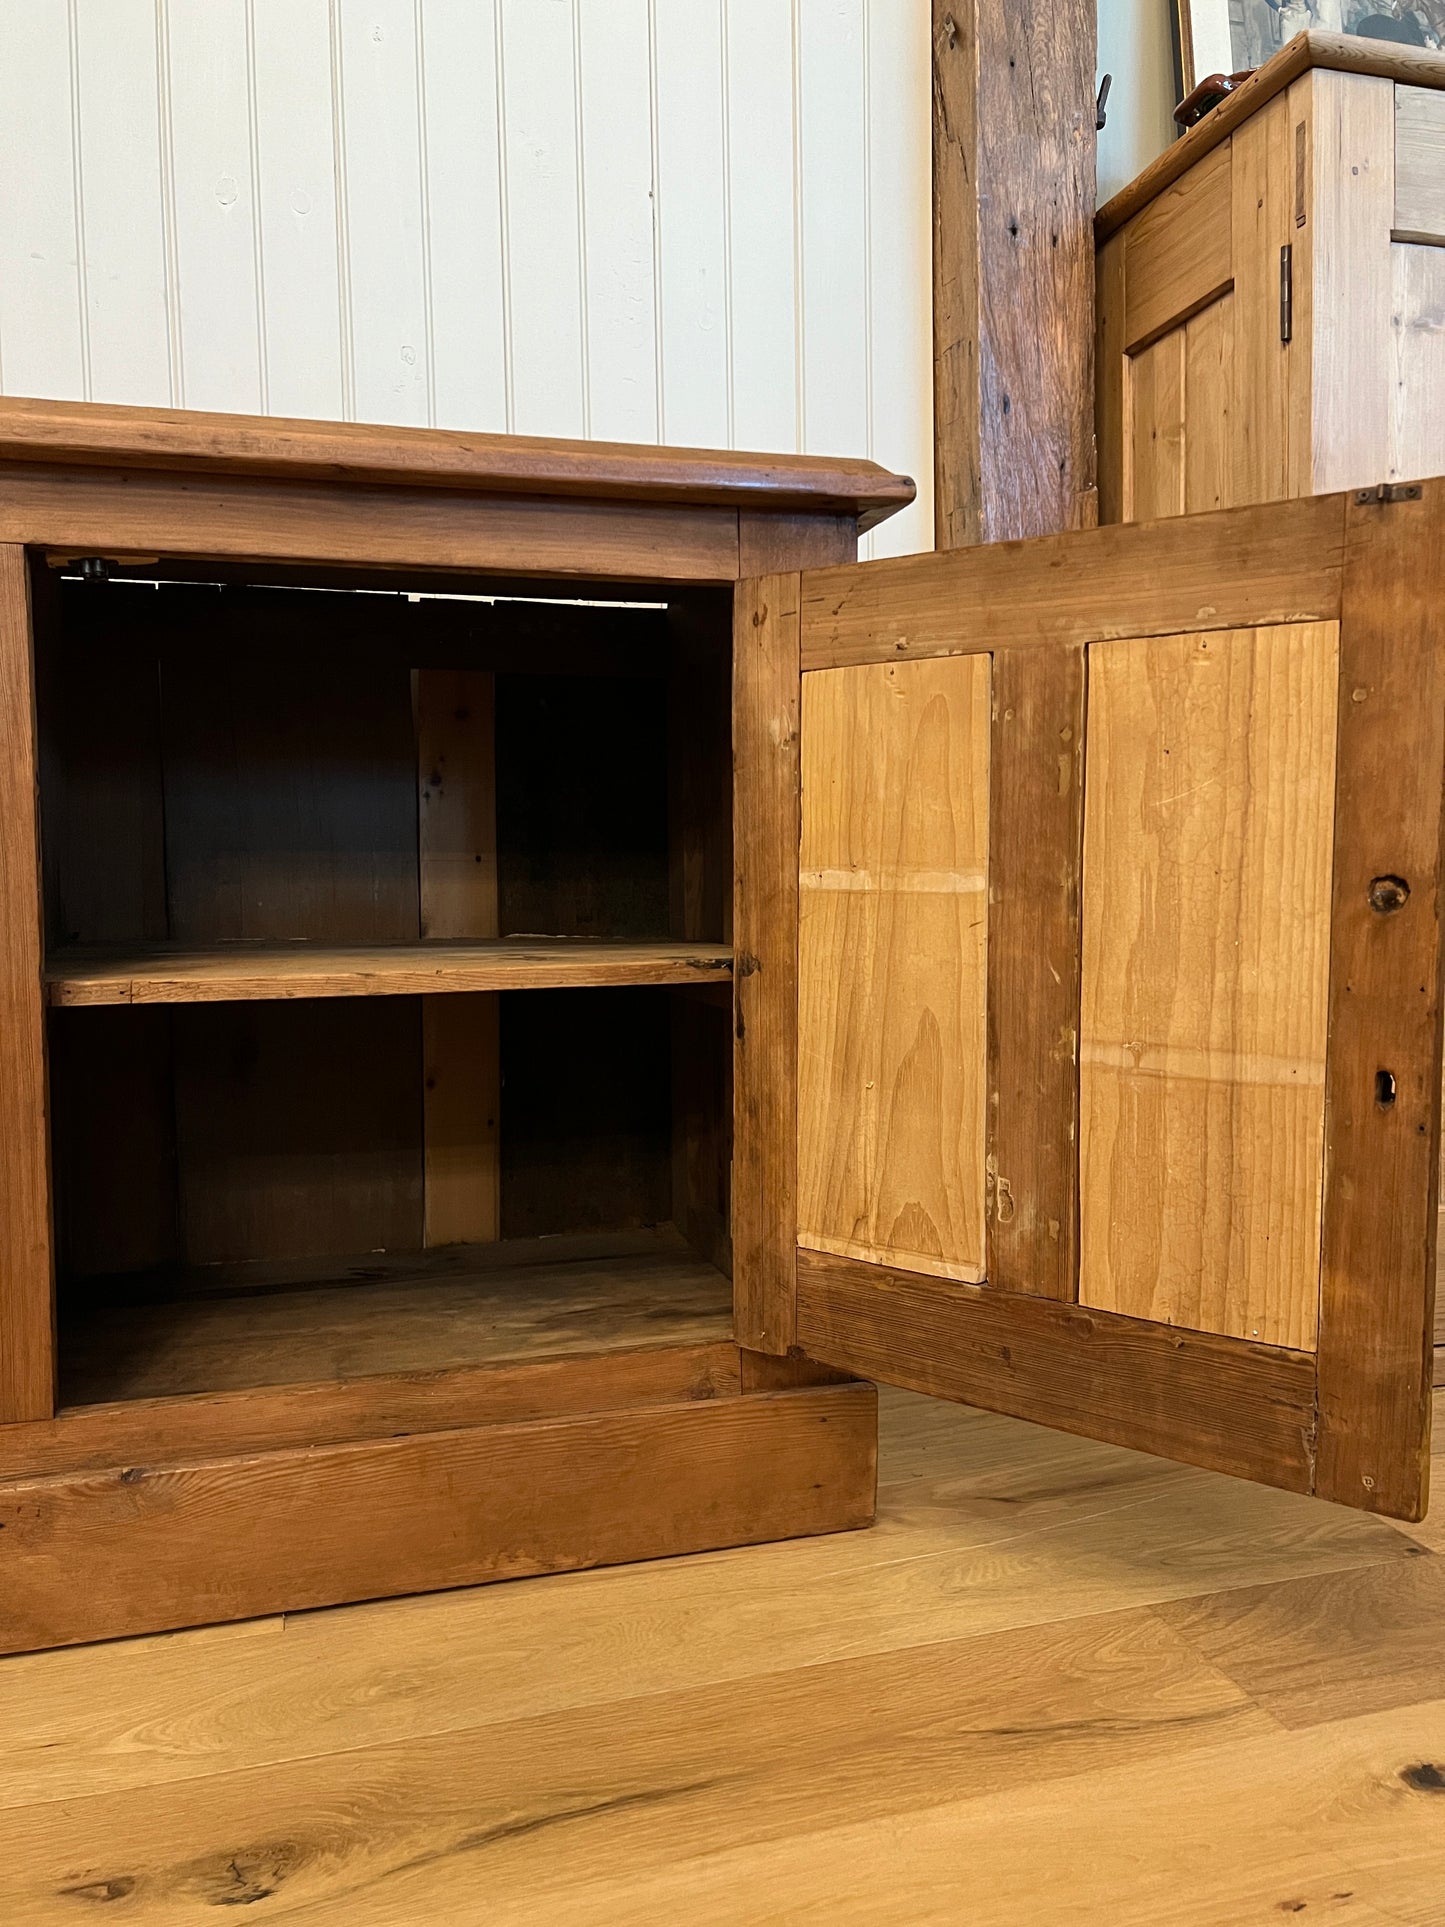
x=1345, y=53
x=182, y=441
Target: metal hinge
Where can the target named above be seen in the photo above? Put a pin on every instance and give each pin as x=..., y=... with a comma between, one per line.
x=1389, y=492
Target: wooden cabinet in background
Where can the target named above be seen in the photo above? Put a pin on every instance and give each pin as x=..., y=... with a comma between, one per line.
x=529, y=975
x=1271, y=292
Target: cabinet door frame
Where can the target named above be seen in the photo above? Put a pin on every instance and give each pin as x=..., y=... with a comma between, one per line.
x=1350, y=1420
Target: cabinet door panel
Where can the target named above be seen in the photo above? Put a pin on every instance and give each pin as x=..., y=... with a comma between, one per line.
x=1209, y=1044
x=892, y=957
x=1208, y=834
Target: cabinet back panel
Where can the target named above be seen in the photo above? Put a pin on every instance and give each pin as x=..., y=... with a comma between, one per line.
x=582, y=832
x=299, y=1127
x=291, y=801
x=113, y=1140
x=586, y=1111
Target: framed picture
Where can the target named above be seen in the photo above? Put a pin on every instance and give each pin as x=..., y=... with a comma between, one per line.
x=1224, y=36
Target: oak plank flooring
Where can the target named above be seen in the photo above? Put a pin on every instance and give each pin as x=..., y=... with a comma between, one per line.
x=1005, y=1690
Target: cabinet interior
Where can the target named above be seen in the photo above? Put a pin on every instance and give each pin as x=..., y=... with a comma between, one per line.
x=245, y=779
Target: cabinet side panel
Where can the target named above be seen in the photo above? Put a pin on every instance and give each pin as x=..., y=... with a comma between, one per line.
x=27, y=1340
x=892, y=964
x=1354, y=199
x=1419, y=164
x=1417, y=376
x=1206, y=912
x=766, y=698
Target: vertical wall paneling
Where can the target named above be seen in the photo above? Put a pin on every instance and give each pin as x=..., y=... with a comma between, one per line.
x=41, y=345
x=542, y=218
x=834, y=214
x=385, y=239
x=762, y=223
x=694, y=292
x=463, y=210
x=214, y=293
x=702, y=221
x=614, y=94
x=128, y=277
x=899, y=334
x=302, y=351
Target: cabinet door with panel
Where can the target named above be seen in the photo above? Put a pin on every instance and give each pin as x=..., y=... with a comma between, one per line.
x=1112, y=928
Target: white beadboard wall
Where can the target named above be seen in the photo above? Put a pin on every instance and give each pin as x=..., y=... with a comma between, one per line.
x=694, y=221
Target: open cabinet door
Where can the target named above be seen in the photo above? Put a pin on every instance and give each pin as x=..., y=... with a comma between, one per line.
x=1102, y=884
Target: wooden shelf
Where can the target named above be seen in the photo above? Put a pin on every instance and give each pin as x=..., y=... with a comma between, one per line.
x=256, y=972
x=238, y=1327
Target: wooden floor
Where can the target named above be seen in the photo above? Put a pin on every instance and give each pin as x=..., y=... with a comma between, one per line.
x=1057, y=1683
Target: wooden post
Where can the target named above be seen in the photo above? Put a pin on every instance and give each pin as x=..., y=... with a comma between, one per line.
x=1013, y=269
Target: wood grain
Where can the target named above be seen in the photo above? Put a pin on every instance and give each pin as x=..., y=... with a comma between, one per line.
x=1206, y=940
x=102, y=796
x=290, y=798
x=1155, y=430
x=95, y=1555
x=893, y=964
x=1209, y=408
x=1417, y=361
x=869, y=1736
x=261, y=972
x=1013, y=271
x=1178, y=253
x=1217, y=1402
x=1269, y=564
x=456, y=755
x=768, y=543
x=1018, y=1541
x=1419, y=165
x=142, y=512
x=157, y=1431
x=1382, y=1157
x=1264, y=367
x=189, y=1334
x=1035, y=823
x=1333, y=1647
x=461, y=1119
x=190, y=442
x=298, y=1128
x=1332, y=52
x=116, y=1197
x=1352, y=139
x=27, y=1358
x=1110, y=376
x=766, y=831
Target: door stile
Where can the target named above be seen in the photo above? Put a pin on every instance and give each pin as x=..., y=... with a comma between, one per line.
x=27, y=1289
x=1036, y=828
x=1383, y=1073
x=767, y=828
